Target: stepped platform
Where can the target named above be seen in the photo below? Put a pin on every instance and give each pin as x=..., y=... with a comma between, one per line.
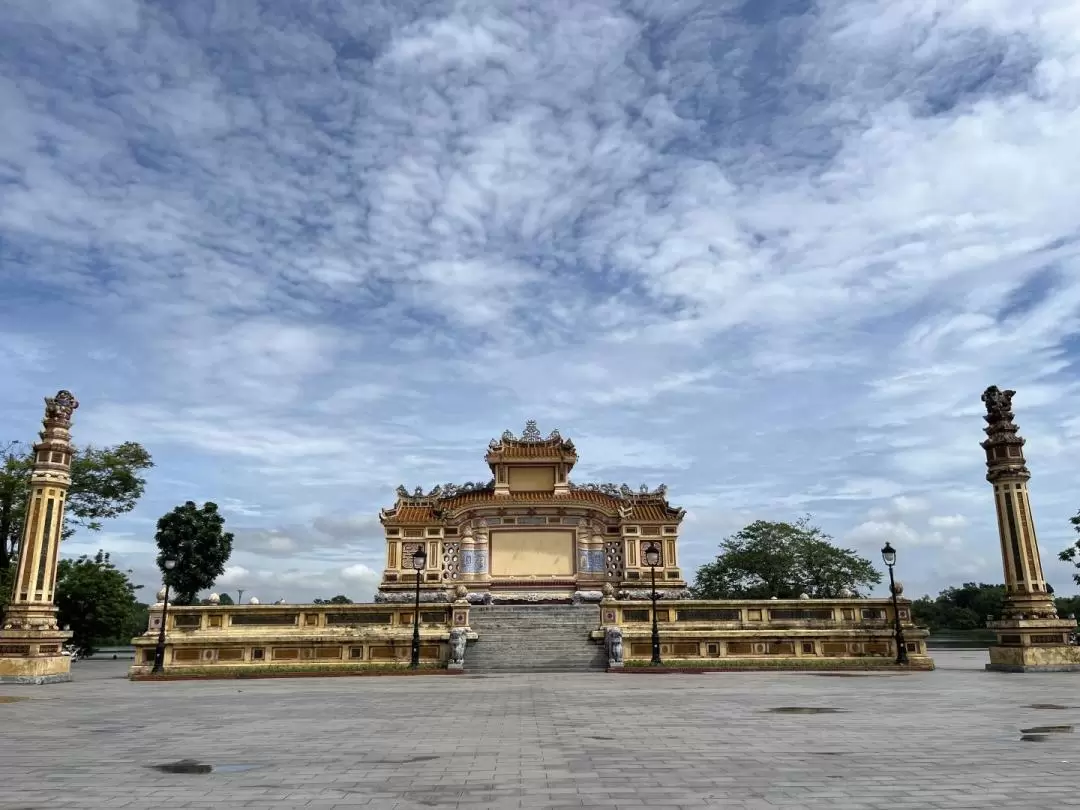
x=534, y=638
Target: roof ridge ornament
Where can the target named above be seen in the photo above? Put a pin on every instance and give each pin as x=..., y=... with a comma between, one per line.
x=448, y=490
x=530, y=435
x=622, y=490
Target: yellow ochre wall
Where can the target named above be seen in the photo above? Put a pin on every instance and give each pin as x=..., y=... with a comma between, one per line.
x=521, y=553
x=531, y=479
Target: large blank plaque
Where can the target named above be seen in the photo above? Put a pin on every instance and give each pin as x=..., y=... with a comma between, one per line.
x=521, y=553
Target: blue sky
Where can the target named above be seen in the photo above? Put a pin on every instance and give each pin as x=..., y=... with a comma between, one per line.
x=767, y=253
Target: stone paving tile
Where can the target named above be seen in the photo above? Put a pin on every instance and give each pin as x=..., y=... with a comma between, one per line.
x=946, y=739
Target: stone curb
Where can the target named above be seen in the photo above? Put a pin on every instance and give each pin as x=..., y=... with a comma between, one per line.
x=278, y=675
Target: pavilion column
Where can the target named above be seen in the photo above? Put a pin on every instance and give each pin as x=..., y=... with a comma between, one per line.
x=468, y=556
x=581, y=548
x=483, y=554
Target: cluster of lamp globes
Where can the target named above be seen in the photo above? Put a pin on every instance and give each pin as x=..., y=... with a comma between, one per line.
x=214, y=599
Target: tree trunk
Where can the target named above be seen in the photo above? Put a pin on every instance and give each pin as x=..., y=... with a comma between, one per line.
x=5, y=533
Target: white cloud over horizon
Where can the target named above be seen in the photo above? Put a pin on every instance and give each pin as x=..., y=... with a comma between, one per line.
x=767, y=253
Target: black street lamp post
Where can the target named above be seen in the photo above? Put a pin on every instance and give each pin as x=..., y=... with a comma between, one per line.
x=652, y=559
x=419, y=560
x=888, y=554
x=159, y=651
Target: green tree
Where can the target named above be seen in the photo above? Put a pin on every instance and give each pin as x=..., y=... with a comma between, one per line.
x=981, y=598
x=785, y=560
x=138, y=620
x=7, y=584
x=94, y=599
x=195, y=538
x=340, y=599
x=106, y=482
x=226, y=599
x=1067, y=605
x=960, y=608
x=1072, y=553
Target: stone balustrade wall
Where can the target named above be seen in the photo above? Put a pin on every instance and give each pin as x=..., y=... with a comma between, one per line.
x=796, y=633
x=290, y=636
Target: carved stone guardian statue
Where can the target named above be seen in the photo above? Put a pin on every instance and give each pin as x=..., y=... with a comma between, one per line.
x=457, y=648
x=613, y=637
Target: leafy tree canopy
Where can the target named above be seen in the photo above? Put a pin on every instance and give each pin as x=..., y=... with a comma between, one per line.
x=962, y=608
x=96, y=601
x=1072, y=553
x=1067, y=606
x=785, y=560
x=7, y=584
x=340, y=599
x=195, y=538
x=971, y=605
x=226, y=599
x=106, y=482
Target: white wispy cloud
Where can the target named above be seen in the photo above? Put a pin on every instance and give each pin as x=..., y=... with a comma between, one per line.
x=769, y=254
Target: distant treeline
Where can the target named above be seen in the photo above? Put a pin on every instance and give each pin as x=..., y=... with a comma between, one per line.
x=968, y=606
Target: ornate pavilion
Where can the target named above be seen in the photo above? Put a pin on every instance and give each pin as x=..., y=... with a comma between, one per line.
x=530, y=534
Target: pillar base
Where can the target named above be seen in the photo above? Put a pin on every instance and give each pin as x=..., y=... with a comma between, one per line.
x=1035, y=668
x=1028, y=645
x=33, y=669
x=36, y=680
x=34, y=656
x=1063, y=658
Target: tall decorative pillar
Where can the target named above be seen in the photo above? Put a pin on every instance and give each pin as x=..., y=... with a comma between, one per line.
x=30, y=641
x=1030, y=636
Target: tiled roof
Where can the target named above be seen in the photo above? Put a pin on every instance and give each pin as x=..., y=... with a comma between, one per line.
x=413, y=514
x=531, y=444
x=654, y=509
x=531, y=450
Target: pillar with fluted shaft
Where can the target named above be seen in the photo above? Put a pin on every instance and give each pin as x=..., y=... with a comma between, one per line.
x=1030, y=636
x=31, y=643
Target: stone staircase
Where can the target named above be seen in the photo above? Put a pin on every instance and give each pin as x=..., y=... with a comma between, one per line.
x=534, y=638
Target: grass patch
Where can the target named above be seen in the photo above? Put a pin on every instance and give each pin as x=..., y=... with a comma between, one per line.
x=11, y=698
x=289, y=671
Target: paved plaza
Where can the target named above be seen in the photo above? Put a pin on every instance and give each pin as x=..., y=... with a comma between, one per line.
x=946, y=739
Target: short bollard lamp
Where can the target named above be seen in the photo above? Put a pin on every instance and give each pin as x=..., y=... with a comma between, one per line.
x=652, y=559
x=888, y=554
x=419, y=561
x=159, y=651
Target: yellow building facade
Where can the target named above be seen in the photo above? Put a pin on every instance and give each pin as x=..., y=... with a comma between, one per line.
x=530, y=534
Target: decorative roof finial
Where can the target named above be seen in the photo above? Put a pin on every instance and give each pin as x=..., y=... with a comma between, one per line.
x=60, y=407
x=1003, y=445
x=531, y=432
x=998, y=405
